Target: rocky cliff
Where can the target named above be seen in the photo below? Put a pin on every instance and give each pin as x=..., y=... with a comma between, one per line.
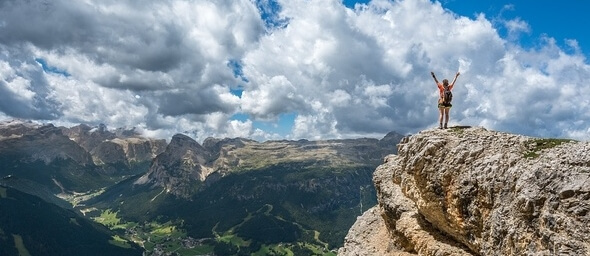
x=116, y=151
x=185, y=165
x=40, y=160
x=34, y=142
x=180, y=168
x=45, y=160
x=470, y=191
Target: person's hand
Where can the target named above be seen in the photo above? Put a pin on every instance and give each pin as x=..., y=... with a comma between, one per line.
x=432, y=73
x=458, y=73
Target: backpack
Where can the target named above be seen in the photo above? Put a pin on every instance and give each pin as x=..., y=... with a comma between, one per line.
x=447, y=95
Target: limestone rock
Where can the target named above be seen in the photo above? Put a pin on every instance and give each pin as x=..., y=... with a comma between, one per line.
x=370, y=241
x=120, y=147
x=186, y=166
x=470, y=191
x=139, y=149
x=32, y=142
x=181, y=168
x=88, y=137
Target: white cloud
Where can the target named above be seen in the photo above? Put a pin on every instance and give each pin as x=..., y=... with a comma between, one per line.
x=320, y=124
x=275, y=96
x=163, y=67
x=516, y=27
x=17, y=85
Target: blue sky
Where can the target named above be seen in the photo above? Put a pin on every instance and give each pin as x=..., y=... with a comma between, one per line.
x=292, y=69
x=558, y=19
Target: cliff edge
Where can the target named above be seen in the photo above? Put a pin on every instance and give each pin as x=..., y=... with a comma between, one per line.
x=470, y=191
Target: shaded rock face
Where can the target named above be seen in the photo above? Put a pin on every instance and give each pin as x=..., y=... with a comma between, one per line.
x=109, y=153
x=46, y=143
x=186, y=165
x=138, y=149
x=478, y=192
x=116, y=151
x=88, y=137
x=42, y=161
x=181, y=168
x=84, y=144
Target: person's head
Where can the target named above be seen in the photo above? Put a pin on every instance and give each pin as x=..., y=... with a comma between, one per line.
x=445, y=82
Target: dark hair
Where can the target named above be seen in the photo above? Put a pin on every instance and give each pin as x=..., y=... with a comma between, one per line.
x=445, y=82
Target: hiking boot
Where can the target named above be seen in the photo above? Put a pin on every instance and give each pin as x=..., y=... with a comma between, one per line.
x=440, y=126
x=445, y=126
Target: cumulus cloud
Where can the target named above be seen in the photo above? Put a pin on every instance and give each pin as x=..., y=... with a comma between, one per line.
x=175, y=66
x=173, y=56
x=24, y=90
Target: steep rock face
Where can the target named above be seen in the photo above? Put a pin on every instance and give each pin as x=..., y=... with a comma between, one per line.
x=138, y=149
x=40, y=160
x=32, y=142
x=123, y=153
x=115, y=150
x=109, y=153
x=180, y=168
x=88, y=137
x=185, y=164
x=478, y=192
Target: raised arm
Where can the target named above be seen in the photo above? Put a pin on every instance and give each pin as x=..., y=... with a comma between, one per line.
x=433, y=76
x=453, y=83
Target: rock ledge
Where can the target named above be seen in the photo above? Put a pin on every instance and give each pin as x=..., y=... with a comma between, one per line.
x=470, y=191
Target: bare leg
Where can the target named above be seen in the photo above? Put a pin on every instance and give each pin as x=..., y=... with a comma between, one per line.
x=440, y=116
x=446, y=116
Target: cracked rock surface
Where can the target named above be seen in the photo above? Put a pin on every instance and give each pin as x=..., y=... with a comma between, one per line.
x=471, y=191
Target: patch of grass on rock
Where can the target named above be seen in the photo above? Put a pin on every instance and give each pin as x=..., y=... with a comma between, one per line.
x=535, y=145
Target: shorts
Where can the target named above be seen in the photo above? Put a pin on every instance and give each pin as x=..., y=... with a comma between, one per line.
x=445, y=105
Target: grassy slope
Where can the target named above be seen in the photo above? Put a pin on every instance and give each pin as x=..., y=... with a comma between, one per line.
x=31, y=225
x=305, y=209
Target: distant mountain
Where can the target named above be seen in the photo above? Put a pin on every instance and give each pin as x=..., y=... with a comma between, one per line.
x=31, y=226
x=43, y=155
x=44, y=143
x=316, y=189
x=72, y=160
x=185, y=164
x=122, y=151
x=225, y=197
x=181, y=167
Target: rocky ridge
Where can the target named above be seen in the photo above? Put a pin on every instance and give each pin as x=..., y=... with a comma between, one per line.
x=36, y=142
x=185, y=165
x=121, y=148
x=43, y=160
x=180, y=168
x=116, y=151
x=471, y=191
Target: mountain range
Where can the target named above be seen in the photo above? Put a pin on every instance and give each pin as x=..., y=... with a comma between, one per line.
x=230, y=196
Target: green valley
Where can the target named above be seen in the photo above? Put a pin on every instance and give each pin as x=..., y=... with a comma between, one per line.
x=123, y=194
x=283, y=208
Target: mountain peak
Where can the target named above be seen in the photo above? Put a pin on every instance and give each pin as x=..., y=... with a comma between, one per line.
x=181, y=137
x=180, y=144
x=185, y=164
x=180, y=168
x=471, y=191
x=39, y=142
